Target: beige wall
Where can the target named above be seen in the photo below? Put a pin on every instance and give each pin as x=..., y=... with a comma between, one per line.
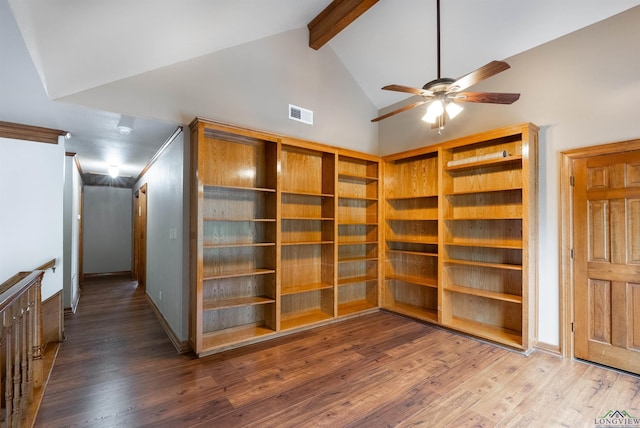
x=252, y=85
x=582, y=89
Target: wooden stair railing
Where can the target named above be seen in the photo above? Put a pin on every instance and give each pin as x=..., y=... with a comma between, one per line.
x=21, y=347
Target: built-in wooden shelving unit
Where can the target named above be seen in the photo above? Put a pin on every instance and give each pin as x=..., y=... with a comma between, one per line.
x=489, y=233
x=287, y=234
x=476, y=223
x=358, y=233
x=410, y=284
x=284, y=235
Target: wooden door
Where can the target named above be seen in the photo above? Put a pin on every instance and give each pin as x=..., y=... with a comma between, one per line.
x=140, y=236
x=607, y=260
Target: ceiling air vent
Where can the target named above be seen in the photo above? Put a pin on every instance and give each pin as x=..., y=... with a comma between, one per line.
x=300, y=114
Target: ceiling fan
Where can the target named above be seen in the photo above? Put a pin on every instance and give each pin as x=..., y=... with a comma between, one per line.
x=444, y=93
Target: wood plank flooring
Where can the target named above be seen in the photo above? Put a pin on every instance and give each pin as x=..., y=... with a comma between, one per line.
x=118, y=368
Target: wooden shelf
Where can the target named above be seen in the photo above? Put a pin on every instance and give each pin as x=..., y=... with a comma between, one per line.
x=342, y=176
x=234, y=335
x=411, y=219
x=304, y=288
x=408, y=218
x=355, y=279
x=307, y=243
x=486, y=163
x=512, y=298
x=239, y=273
x=484, y=218
x=209, y=305
x=401, y=198
x=481, y=244
x=354, y=307
x=314, y=194
x=416, y=253
x=357, y=243
x=414, y=241
x=307, y=218
x=240, y=188
x=358, y=198
x=356, y=259
x=305, y=318
x=483, y=190
x=427, y=282
x=496, y=334
x=414, y=311
x=358, y=223
x=483, y=264
x=249, y=244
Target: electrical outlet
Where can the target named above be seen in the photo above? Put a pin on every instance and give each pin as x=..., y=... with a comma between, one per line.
x=160, y=293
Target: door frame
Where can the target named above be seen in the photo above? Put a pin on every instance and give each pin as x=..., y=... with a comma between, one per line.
x=140, y=245
x=566, y=232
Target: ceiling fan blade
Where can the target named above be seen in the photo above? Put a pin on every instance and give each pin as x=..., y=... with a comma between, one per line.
x=400, y=110
x=484, y=72
x=485, y=97
x=408, y=89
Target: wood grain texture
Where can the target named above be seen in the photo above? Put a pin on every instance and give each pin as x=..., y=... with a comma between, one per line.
x=120, y=369
x=335, y=18
x=38, y=134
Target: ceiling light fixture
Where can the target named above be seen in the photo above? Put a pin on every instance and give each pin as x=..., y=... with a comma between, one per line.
x=436, y=109
x=114, y=171
x=125, y=125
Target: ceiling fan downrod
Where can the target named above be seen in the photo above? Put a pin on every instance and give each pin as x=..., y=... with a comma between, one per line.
x=438, y=35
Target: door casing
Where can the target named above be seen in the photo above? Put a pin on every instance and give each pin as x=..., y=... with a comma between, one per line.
x=566, y=233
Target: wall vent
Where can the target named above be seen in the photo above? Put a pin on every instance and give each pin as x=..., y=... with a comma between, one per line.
x=300, y=114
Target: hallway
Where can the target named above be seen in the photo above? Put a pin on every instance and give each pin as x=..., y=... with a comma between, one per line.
x=114, y=354
x=118, y=368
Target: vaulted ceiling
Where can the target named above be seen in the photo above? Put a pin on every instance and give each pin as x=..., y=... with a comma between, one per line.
x=53, y=50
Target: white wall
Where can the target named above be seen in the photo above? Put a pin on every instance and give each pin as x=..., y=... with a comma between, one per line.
x=71, y=219
x=167, y=259
x=31, y=191
x=107, y=234
x=582, y=89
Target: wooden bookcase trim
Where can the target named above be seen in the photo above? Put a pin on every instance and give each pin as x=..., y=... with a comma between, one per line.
x=38, y=134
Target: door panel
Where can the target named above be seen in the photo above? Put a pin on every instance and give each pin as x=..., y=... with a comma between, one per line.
x=634, y=316
x=599, y=306
x=598, y=231
x=633, y=228
x=606, y=210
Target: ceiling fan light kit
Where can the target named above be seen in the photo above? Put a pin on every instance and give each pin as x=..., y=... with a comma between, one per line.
x=443, y=94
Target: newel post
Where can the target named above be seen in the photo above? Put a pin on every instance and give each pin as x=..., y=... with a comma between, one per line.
x=38, y=355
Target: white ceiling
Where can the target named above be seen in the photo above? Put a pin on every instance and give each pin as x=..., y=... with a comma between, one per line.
x=54, y=48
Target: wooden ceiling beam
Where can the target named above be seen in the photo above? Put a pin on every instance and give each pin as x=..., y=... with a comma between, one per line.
x=335, y=18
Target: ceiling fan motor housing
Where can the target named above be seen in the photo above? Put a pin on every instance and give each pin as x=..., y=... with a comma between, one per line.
x=439, y=85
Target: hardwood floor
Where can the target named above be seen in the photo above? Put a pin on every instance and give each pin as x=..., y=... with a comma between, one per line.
x=118, y=368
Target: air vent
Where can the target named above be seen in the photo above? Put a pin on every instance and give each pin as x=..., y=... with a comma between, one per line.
x=300, y=114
